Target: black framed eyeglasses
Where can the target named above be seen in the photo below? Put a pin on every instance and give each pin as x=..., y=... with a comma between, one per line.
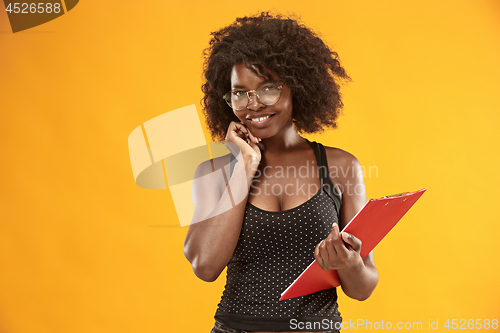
x=267, y=94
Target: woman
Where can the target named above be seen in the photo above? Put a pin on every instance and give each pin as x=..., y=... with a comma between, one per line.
x=278, y=201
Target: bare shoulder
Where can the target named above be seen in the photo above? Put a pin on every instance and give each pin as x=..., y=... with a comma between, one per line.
x=345, y=169
x=210, y=177
x=213, y=164
x=340, y=158
x=347, y=173
x=207, y=188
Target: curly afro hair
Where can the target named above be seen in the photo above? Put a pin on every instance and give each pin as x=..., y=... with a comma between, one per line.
x=296, y=54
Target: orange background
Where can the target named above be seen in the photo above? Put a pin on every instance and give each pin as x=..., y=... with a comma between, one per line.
x=83, y=249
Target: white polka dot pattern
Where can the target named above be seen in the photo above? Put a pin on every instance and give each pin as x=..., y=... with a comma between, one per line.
x=272, y=250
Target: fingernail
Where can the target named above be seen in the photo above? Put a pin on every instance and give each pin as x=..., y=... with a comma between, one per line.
x=345, y=236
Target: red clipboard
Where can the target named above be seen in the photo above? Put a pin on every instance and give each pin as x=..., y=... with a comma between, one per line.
x=370, y=225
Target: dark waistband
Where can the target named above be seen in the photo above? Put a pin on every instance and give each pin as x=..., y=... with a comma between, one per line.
x=242, y=323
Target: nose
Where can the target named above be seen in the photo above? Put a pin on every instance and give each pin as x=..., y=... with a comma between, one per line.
x=253, y=102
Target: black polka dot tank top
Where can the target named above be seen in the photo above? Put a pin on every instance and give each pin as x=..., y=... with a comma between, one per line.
x=272, y=250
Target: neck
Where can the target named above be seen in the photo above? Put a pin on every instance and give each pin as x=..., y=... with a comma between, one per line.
x=281, y=142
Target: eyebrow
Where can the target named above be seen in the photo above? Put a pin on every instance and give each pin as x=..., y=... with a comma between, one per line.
x=263, y=82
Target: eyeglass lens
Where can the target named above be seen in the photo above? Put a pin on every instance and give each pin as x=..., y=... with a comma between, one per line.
x=267, y=94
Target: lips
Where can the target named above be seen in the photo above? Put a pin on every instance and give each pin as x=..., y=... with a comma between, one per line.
x=259, y=118
x=260, y=121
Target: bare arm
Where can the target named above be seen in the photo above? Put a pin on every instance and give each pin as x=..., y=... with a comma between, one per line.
x=217, y=219
x=358, y=276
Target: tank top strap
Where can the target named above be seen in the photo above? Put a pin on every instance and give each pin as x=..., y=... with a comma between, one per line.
x=315, y=146
x=326, y=182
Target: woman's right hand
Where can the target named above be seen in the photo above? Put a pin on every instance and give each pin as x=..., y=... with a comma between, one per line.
x=219, y=205
x=240, y=139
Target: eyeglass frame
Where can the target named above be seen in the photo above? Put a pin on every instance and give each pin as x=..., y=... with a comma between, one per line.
x=227, y=96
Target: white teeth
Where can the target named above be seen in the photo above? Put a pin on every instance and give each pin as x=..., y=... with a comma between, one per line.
x=260, y=119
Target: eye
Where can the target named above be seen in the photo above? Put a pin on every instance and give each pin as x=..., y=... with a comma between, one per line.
x=269, y=87
x=238, y=93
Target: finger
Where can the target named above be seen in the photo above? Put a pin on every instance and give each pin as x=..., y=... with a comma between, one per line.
x=329, y=249
x=241, y=127
x=245, y=133
x=337, y=242
x=257, y=140
x=234, y=127
x=253, y=137
x=318, y=256
x=353, y=242
x=241, y=132
x=324, y=255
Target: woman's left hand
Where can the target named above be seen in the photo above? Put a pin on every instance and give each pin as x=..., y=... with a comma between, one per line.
x=339, y=251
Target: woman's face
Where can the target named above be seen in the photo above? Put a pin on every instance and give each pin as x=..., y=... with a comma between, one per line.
x=278, y=117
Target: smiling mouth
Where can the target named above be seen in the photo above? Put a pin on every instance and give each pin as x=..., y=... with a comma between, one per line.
x=260, y=119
